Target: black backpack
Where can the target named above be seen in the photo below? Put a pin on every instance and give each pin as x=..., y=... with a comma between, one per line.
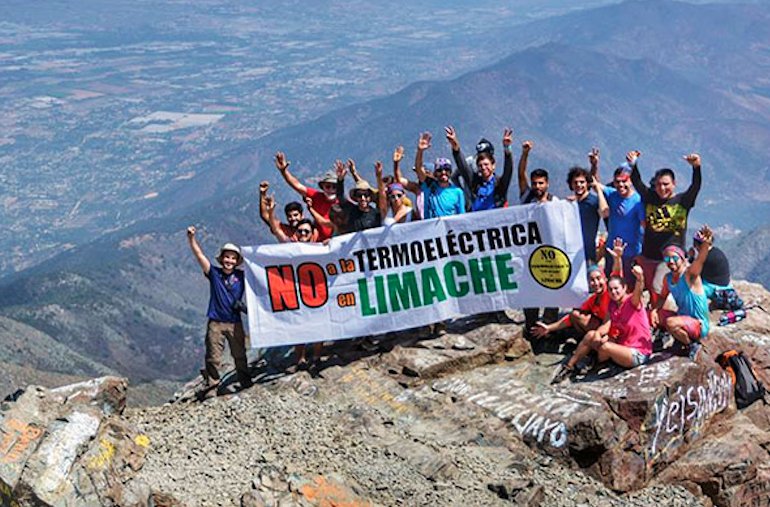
x=727, y=299
x=748, y=388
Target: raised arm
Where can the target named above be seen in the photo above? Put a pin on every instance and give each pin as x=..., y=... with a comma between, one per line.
x=604, y=208
x=197, y=251
x=618, y=247
x=353, y=171
x=463, y=171
x=275, y=225
x=319, y=219
x=382, y=198
x=696, y=267
x=263, y=188
x=655, y=311
x=398, y=155
x=593, y=161
x=505, y=180
x=283, y=167
x=692, y=192
x=636, y=178
x=636, y=295
x=339, y=167
x=422, y=145
x=526, y=146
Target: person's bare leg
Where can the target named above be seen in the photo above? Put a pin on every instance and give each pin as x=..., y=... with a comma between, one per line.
x=583, y=349
x=678, y=329
x=619, y=354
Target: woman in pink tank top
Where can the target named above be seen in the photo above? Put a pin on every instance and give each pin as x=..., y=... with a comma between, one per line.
x=624, y=337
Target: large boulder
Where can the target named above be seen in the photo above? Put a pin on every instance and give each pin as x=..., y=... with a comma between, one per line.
x=622, y=429
x=68, y=446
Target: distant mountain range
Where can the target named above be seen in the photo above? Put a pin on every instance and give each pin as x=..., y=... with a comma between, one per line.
x=663, y=77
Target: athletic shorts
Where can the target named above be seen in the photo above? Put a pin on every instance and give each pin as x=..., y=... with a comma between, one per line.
x=638, y=358
x=693, y=326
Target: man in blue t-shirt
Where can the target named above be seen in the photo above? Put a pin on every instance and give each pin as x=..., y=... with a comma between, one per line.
x=441, y=197
x=226, y=285
x=591, y=206
x=625, y=214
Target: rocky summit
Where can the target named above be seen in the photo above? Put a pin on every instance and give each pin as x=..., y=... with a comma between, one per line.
x=466, y=418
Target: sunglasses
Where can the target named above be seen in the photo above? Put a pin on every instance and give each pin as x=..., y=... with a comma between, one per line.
x=304, y=232
x=328, y=185
x=358, y=195
x=443, y=170
x=671, y=258
x=393, y=197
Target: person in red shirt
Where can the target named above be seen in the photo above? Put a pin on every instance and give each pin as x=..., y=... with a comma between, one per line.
x=323, y=200
x=593, y=311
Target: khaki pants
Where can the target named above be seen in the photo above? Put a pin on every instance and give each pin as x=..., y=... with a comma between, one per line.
x=216, y=334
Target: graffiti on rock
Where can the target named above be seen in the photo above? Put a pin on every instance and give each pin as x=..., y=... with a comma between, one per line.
x=16, y=438
x=536, y=416
x=684, y=411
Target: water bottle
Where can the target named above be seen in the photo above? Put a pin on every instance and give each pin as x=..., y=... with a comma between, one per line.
x=732, y=316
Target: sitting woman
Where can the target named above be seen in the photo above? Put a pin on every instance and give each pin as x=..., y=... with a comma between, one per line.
x=624, y=337
x=593, y=312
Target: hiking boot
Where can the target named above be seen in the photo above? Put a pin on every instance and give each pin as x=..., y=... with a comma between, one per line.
x=208, y=392
x=561, y=374
x=694, y=349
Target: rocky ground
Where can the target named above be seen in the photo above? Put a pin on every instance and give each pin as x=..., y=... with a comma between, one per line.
x=467, y=418
x=384, y=447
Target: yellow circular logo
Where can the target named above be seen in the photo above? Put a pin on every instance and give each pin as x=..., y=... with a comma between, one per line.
x=550, y=267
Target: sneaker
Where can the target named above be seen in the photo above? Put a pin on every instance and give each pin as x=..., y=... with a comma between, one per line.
x=694, y=349
x=561, y=374
x=586, y=365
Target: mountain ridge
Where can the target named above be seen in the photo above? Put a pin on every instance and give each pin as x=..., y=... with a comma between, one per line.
x=136, y=295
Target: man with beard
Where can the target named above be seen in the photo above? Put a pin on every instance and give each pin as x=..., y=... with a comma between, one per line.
x=363, y=214
x=322, y=201
x=536, y=193
x=592, y=207
x=625, y=213
x=665, y=217
x=485, y=188
x=441, y=197
x=294, y=214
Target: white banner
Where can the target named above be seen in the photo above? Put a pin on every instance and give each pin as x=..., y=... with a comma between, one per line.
x=413, y=274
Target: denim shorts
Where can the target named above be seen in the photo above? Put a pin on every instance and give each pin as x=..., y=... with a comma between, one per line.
x=639, y=358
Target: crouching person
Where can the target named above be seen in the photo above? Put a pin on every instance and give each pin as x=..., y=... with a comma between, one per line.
x=690, y=324
x=624, y=337
x=226, y=285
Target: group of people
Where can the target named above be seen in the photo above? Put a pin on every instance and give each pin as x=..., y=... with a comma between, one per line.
x=646, y=233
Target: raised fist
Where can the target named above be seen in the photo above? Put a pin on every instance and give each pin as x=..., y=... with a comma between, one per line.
x=693, y=159
x=280, y=161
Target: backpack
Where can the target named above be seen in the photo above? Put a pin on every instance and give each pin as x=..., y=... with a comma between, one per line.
x=727, y=299
x=748, y=388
